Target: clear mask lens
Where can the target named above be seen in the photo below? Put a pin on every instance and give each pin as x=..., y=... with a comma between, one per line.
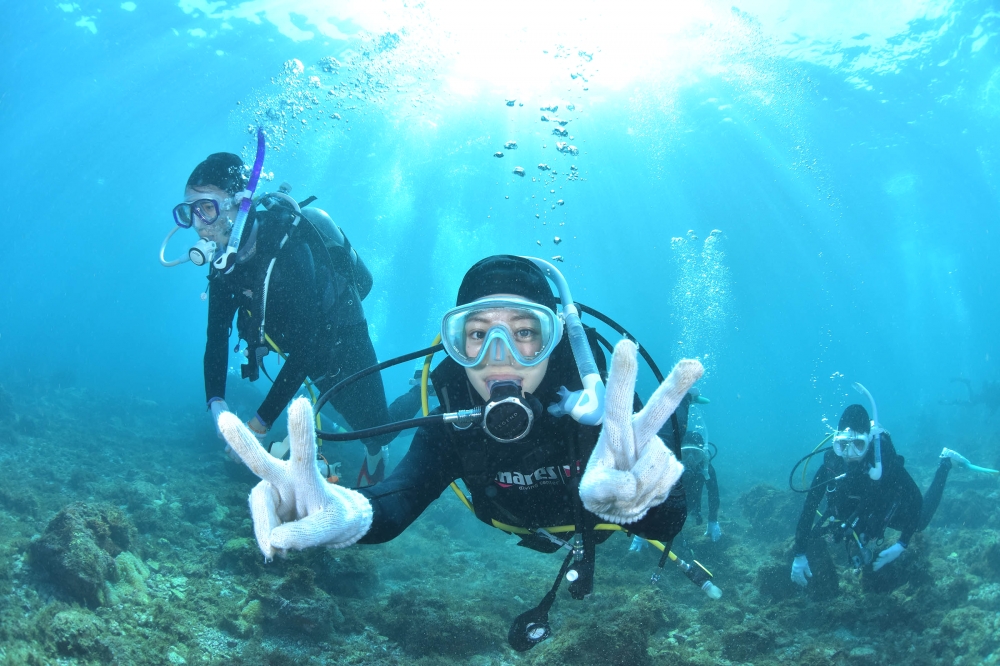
x=850, y=444
x=500, y=331
x=206, y=210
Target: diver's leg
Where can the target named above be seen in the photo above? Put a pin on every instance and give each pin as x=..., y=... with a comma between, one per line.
x=363, y=403
x=933, y=495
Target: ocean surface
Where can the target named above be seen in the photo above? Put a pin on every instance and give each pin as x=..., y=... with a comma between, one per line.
x=802, y=195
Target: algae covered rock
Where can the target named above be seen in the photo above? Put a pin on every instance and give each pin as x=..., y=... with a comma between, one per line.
x=242, y=555
x=746, y=641
x=80, y=633
x=423, y=624
x=292, y=606
x=78, y=550
x=615, y=631
x=772, y=513
x=351, y=572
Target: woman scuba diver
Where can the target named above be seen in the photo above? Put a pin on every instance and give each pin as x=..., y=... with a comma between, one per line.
x=530, y=446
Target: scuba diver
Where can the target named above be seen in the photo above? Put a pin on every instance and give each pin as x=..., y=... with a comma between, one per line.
x=699, y=473
x=698, y=469
x=295, y=285
x=524, y=422
x=867, y=490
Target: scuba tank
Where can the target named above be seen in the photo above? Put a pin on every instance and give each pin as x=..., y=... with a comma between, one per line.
x=336, y=242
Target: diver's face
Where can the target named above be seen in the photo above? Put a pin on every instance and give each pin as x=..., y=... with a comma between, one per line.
x=219, y=230
x=525, y=333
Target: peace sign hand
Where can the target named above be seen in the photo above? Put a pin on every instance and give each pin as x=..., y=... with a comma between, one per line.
x=293, y=507
x=630, y=469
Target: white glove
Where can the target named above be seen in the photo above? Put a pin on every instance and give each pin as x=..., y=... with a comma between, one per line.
x=801, y=570
x=638, y=544
x=630, y=469
x=888, y=555
x=294, y=507
x=714, y=531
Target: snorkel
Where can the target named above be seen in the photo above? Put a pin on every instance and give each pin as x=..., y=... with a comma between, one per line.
x=586, y=406
x=875, y=473
x=227, y=259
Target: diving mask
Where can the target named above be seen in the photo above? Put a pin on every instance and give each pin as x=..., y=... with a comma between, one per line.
x=500, y=330
x=206, y=210
x=850, y=444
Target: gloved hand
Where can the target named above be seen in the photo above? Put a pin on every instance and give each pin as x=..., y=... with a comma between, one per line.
x=801, y=570
x=713, y=530
x=888, y=555
x=294, y=507
x=630, y=469
x=638, y=545
x=219, y=407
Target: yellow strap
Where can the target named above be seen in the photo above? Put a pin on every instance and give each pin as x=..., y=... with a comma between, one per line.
x=425, y=408
x=461, y=496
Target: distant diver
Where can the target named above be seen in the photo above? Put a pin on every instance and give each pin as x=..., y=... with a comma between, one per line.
x=699, y=473
x=988, y=395
x=295, y=285
x=867, y=490
x=524, y=422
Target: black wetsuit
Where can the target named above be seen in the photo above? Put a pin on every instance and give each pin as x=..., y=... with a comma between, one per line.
x=529, y=484
x=694, y=483
x=313, y=313
x=869, y=507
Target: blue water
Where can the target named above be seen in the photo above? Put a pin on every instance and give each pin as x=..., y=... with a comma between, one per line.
x=848, y=157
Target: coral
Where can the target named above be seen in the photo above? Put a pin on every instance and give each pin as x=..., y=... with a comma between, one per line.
x=78, y=548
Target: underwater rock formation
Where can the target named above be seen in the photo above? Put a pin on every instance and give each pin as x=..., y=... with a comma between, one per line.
x=772, y=513
x=79, y=633
x=78, y=548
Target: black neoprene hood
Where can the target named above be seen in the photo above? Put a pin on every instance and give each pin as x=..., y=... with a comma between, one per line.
x=506, y=274
x=856, y=418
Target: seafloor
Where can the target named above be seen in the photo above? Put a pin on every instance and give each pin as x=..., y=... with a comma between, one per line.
x=125, y=539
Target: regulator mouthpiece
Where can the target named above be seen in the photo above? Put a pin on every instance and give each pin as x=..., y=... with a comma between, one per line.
x=509, y=414
x=202, y=252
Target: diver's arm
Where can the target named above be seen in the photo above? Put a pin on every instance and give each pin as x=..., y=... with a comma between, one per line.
x=713, y=495
x=419, y=479
x=221, y=309
x=296, y=281
x=910, y=505
x=808, y=517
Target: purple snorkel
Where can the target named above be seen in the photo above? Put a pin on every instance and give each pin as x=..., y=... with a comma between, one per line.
x=226, y=260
